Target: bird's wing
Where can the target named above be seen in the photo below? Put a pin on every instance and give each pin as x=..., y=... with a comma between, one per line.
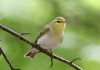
x=43, y=32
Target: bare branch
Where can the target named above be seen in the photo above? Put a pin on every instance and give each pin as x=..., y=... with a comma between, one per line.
x=75, y=60
x=25, y=33
x=5, y=57
x=39, y=48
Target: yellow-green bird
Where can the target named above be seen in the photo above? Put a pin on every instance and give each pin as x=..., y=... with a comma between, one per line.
x=50, y=37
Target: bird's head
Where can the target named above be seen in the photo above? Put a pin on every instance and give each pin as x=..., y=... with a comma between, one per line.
x=58, y=24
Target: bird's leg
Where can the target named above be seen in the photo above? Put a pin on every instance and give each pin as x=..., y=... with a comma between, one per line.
x=75, y=60
x=51, y=58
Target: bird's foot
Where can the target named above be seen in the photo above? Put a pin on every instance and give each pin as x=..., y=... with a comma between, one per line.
x=36, y=45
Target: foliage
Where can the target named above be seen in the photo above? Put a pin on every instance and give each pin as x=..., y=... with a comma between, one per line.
x=81, y=34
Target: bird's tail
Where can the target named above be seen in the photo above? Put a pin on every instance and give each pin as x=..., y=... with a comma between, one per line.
x=32, y=53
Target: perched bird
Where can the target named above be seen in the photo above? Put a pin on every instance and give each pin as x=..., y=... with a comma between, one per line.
x=50, y=37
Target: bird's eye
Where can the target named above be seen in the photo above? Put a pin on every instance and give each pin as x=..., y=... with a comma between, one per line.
x=58, y=21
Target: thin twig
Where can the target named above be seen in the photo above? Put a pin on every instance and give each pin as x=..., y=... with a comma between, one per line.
x=39, y=48
x=25, y=33
x=0, y=52
x=51, y=58
x=9, y=63
x=75, y=60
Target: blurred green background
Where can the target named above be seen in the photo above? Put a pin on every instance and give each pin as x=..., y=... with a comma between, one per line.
x=82, y=34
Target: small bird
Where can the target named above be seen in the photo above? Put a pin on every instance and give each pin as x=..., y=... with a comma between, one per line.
x=50, y=37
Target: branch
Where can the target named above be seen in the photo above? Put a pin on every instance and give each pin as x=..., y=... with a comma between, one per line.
x=5, y=57
x=39, y=48
x=25, y=33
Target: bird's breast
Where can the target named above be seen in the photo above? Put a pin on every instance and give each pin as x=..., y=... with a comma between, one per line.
x=49, y=41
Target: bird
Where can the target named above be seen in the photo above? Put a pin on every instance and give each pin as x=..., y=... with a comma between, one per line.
x=50, y=37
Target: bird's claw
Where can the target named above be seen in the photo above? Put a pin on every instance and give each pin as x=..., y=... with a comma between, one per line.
x=36, y=45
